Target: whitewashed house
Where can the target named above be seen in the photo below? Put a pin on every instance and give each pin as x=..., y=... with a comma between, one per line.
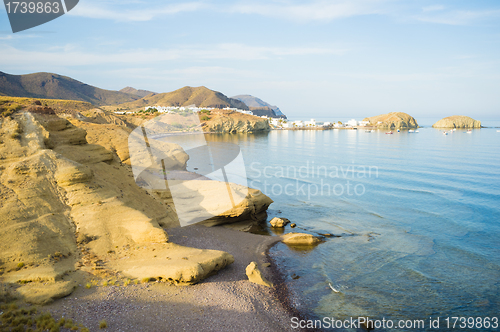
x=352, y=123
x=275, y=122
x=311, y=123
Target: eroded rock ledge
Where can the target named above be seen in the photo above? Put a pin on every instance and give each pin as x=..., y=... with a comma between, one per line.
x=70, y=208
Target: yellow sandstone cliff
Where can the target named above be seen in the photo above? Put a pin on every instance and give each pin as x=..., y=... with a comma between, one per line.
x=70, y=208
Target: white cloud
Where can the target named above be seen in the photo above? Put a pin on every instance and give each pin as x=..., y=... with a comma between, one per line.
x=100, y=10
x=72, y=55
x=465, y=57
x=318, y=10
x=460, y=17
x=314, y=11
x=195, y=73
x=433, y=8
x=18, y=36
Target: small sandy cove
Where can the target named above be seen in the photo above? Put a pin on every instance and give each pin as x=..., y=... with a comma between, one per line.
x=226, y=301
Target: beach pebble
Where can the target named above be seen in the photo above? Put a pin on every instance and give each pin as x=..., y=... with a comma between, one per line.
x=255, y=276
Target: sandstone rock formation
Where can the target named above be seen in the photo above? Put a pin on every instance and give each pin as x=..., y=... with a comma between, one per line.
x=234, y=122
x=279, y=222
x=300, y=239
x=255, y=276
x=69, y=207
x=457, y=121
x=393, y=120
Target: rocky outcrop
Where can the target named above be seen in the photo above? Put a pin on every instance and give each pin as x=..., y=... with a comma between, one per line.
x=255, y=275
x=234, y=122
x=279, y=222
x=457, y=121
x=41, y=294
x=68, y=205
x=300, y=239
x=393, y=120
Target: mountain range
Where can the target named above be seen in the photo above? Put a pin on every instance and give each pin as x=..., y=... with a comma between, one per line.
x=257, y=106
x=54, y=86
x=133, y=91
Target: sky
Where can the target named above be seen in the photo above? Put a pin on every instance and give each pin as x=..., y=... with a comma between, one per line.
x=335, y=59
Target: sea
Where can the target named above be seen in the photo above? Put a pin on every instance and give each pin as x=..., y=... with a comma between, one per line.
x=410, y=223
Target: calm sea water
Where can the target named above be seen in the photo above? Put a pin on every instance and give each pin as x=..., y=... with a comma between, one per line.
x=418, y=216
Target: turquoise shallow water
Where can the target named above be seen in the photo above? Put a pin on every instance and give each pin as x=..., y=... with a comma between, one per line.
x=418, y=215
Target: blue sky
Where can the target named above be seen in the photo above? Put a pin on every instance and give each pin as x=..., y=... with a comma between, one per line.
x=336, y=59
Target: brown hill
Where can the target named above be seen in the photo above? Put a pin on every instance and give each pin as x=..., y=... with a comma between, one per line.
x=393, y=120
x=186, y=96
x=457, y=121
x=263, y=110
x=254, y=102
x=139, y=93
x=53, y=86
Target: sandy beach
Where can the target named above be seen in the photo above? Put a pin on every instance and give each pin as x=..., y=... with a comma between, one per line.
x=225, y=301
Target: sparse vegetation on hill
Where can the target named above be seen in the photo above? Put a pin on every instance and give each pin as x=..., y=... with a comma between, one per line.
x=17, y=103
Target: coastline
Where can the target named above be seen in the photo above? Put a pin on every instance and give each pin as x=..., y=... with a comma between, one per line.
x=224, y=300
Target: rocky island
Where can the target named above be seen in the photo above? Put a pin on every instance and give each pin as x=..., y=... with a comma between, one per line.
x=457, y=121
x=393, y=120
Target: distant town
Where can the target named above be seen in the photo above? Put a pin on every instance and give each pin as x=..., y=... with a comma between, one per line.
x=313, y=124
x=276, y=123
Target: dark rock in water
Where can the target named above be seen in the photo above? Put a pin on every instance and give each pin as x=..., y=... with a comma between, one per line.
x=301, y=239
x=328, y=235
x=293, y=225
x=295, y=277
